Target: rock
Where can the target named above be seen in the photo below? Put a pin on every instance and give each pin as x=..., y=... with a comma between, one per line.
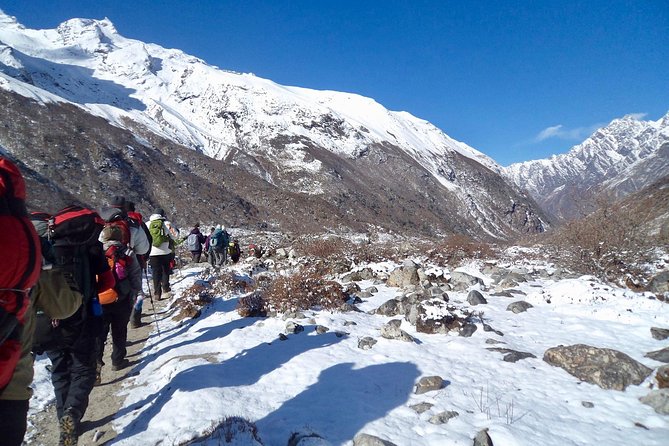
x=607, y=368
x=428, y=384
x=443, y=417
x=476, y=298
x=502, y=294
x=494, y=341
x=351, y=288
x=659, y=333
x=461, y=281
x=442, y=325
x=366, y=343
x=349, y=323
x=283, y=337
x=281, y=254
x=519, y=306
x=660, y=283
x=364, y=294
x=371, y=289
x=659, y=355
x=307, y=439
x=487, y=327
x=392, y=330
x=511, y=355
x=341, y=334
x=320, y=329
x=467, y=330
x=293, y=327
x=483, y=439
x=353, y=276
x=404, y=276
x=189, y=311
x=587, y=404
x=422, y=407
x=658, y=400
x=389, y=308
x=370, y=440
x=662, y=377
x=294, y=315
x=348, y=308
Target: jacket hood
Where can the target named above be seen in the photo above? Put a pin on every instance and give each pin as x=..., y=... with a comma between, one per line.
x=156, y=217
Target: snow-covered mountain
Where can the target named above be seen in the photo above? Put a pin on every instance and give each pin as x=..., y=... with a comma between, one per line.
x=342, y=148
x=621, y=158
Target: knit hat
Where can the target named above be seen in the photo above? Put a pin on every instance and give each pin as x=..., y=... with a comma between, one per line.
x=160, y=211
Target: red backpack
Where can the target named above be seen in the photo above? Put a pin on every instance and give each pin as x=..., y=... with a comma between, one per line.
x=20, y=265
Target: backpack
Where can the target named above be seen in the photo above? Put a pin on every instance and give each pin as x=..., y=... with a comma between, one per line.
x=193, y=242
x=116, y=225
x=118, y=262
x=233, y=249
x=74, y=233
x=158, y=233
x=19, y=266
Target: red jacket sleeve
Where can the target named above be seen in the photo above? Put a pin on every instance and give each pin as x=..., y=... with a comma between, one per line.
x=106, y=281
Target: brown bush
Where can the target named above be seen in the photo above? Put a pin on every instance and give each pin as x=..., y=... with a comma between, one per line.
x=302, y=291
x=228, y=282
x=252, y=305
x=458, y=248
x=322, y=248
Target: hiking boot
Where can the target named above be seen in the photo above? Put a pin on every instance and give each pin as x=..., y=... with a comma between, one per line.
x=69, y=424
x=121, y=365
x=135, y=319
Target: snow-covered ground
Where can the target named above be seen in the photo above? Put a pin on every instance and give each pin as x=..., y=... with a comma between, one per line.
x=198, y=372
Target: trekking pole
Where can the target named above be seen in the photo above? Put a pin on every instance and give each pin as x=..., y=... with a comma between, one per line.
x=153, y=307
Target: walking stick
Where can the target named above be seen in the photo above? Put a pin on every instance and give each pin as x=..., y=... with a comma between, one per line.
x=153, y=307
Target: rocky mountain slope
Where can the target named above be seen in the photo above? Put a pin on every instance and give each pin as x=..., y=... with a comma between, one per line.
x=622, y=158
x=275, y=155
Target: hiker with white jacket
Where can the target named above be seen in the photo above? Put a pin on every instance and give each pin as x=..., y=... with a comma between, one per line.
x=161, y=252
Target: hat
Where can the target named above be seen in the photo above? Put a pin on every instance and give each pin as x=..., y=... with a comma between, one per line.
x=160, y=211
x=223, y=227
x=197, y=225
x=117, y=202
x=218, y=226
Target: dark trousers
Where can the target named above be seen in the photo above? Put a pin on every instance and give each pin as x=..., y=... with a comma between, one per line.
x=73, y=373
x=160, y=270
x=13, y=415
x=196, y=256
x=116, y=316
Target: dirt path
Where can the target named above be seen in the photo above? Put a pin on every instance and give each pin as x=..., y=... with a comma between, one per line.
x=96, y=428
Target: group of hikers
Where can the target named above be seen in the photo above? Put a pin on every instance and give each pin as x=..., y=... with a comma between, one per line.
x=66, y=281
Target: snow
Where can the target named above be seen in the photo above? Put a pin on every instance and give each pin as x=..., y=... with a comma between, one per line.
x=197, y=373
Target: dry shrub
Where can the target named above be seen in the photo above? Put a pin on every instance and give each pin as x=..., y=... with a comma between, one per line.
x=302, y=291
x=252, y=305
x=228, y=282
x=370, y=253
x=458, y=248
x=323, y=248
x=198, y=293
x=610, y=243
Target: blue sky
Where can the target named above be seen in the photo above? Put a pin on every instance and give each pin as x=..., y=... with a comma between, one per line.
x=516, y=80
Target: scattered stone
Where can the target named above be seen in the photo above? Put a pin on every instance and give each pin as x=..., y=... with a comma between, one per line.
x=468, y=330
x=659, y=355
x=321, y=329
x=587, y=404
x=511, y=355
x=347, y=307
x=660, y=283
x=476, y=298
x=283, y=337
x=188, y=311
x=389, y=308
x=293, y=327
x=372, y=289
x=351, y=288
x=502, y=294
x=659, y=333
x=658, y=400
x=442, y=418
x=366, y=343
x=494, y=341
x=347, y=323
x=294, y=315
x=428, y=384
x=404, y=276
x=307, y=439
x=519, y=306
x=370, y=440
x=487, y=327
x=483, y=439
x=422, y=407
x=461, y=281
x=607, y=368
x=340, y=334
x=363, y=295
x=392, y=330
x=662, y=377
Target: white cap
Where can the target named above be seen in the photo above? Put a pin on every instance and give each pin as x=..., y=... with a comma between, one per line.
x=218, y=226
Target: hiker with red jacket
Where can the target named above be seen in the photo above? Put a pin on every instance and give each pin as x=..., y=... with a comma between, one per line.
x=52, y=294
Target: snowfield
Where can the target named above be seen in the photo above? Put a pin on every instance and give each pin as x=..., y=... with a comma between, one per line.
x=200, y=371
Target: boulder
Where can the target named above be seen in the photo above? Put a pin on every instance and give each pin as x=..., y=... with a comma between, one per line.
x=307, y=439
x=519, y=306
x=366, y=343
x=293, y=328
x=476, y=298
x=389, y=308
x=483, y=439
x=660, y=283
x=662, y=377
x=659, y=355
x=429, y=384
x=392, y=330
x=658, y=400
x=511, y=355
x=370, y=440
x=321, y=329
x=659, y=333
x=467, y=330
x=443, y=417
x=607, y=368
x=461, y=281
x=422, y=407
x=405, y=275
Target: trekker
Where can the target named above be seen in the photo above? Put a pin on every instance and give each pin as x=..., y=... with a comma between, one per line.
x=235, y=251
x=142, y=258
x=218, y=245
x=194, y=243
x=256, y=250
x=161, y=254
x=71, y=346
x=51, y=293
x=207, y=247
x=117, y=302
